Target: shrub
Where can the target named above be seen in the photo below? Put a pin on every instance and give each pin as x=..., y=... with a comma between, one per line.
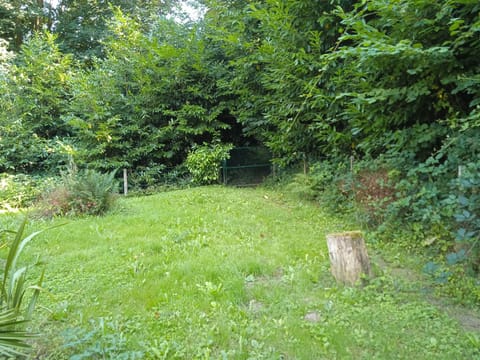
x=467, y=216
x=313, y=185
x=92, y=192
x=55, y=202
x=149, y=181
x=18, y=191
x=85, y=192
x=304, y=187
x=329, y=183
x=373, y=192
x=203, y=162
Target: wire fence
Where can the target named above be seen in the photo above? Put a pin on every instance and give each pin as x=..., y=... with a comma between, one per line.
x=247, y=166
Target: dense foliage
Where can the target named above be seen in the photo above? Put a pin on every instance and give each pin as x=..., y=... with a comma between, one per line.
x=392, y=80
x=394, y=85
x=148, y=101
x=33, y=100
x=204, y=161
x=20, y=18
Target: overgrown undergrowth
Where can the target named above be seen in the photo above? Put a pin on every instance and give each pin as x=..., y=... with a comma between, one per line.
x=218, y=273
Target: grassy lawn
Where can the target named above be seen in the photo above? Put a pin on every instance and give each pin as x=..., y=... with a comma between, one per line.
x=222, y=273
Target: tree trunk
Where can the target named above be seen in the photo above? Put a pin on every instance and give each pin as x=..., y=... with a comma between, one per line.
x=348, y=257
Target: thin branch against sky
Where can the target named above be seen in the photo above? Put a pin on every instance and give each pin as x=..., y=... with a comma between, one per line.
x=189, y=8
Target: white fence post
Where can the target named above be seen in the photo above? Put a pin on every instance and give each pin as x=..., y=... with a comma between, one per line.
x=125, y=182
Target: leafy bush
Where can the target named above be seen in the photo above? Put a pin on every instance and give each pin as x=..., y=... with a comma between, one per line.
x=373, y=192
x=368, y=191
x=33, y=101
x=81, y=192
x=467, y=234
x=92, y=192
x=18, y=191
x=145, y=181
x=13, y=316
x=328, y=182
x=203, y=162
x=145, y=177
x=304, y=186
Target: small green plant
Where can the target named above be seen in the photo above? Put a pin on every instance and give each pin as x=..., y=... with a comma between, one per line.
x=13, y=315
x=105, y=340
x=203, y=162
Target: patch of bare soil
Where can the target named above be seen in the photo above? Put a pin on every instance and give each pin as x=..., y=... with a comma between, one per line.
x=469, y=319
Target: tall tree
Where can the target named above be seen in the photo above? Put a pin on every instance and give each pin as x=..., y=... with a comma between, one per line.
x=82, y=25
x=274, y=50
x=148, y=101
x=20, y=19
x=32, y=101
x=323, y=78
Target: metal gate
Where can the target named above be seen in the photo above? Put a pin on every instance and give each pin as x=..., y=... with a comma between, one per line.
x=247, y=166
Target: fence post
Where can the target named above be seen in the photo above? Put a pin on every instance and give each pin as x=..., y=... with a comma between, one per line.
x=125, y=182
x=224, y=171
x=305, y=164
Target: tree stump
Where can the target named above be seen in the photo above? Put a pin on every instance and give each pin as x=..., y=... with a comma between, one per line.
x=348, y=257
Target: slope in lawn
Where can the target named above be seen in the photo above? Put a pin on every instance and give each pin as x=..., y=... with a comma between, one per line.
x=223, y=273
